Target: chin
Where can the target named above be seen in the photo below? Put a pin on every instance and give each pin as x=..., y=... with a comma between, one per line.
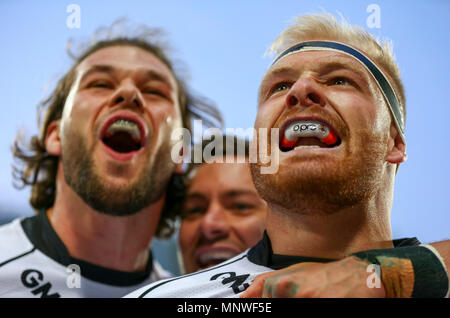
x=337, y=184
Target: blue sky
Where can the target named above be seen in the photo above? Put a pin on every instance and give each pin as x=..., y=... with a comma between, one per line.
x=222, y=43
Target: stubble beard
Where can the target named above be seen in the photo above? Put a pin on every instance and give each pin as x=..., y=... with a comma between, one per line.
x=82, y=176
x=325, y=183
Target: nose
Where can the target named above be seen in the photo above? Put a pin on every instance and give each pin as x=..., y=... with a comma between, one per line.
x=305, y=92
x=214, y=224
x=127, y=94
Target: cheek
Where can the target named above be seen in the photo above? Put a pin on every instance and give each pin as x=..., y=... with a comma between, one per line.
x=268, y=113
x=82, y=110
x=87, y=102
x=382, y=117
x=266, y=119
x=357, y=111
x=165, y=122
x=373, y=118
x=188, y=236
x=259, y=121
x=251, y=230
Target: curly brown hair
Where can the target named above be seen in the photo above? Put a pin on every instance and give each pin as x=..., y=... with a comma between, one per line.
x=34, y=166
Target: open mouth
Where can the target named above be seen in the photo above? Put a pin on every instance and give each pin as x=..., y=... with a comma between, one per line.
x=123, y=135
x=302, y=134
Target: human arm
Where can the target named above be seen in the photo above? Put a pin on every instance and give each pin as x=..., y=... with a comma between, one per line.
x=413, y=271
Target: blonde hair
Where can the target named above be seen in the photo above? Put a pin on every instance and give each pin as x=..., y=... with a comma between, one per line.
x=325, y=27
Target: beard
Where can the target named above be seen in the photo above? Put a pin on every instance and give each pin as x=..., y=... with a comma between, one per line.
x=81, y=175
x=334, y=183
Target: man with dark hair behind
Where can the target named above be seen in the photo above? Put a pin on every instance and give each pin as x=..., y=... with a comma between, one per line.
x=103, y=180
x=222, y=213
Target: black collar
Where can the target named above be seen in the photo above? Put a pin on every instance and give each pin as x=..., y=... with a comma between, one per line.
x=262, y=254
x=40, y=232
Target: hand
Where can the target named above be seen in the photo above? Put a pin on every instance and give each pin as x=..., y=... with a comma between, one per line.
x=345, y=278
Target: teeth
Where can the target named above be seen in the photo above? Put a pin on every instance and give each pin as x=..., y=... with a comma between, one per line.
x=307, y=128
x=124, y=125
x=305, y=147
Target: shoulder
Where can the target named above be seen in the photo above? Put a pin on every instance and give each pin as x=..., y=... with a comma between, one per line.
x=227, y=279
x=13, y=241
x=158, y=272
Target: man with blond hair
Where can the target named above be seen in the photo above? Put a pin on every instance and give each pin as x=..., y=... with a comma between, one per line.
x=336, y=99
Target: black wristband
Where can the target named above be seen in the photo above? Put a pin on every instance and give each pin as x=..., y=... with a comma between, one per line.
x=430, y=276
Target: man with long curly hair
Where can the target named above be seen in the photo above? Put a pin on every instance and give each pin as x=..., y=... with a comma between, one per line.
x=102, y=177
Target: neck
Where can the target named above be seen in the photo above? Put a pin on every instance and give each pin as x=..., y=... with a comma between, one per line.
x=119, y=243
x=325, y=231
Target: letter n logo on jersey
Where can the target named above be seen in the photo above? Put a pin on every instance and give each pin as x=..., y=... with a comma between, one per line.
x=238, y=282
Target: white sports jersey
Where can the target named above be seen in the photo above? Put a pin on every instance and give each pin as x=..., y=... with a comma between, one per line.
x=232, y=277
x=35, y=263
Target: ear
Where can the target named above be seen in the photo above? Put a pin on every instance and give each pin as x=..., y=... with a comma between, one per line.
x=52, y=139
x=396, y=148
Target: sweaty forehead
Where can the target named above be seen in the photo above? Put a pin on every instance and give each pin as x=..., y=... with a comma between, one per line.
x=125, y=58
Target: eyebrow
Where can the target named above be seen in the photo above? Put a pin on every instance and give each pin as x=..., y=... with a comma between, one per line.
x=285, y=70
x=196, y=196
x=109, y=69
x=227, y=194
x=98, y=68
x=346, y=65
x=236, y=193
x=154, y=75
